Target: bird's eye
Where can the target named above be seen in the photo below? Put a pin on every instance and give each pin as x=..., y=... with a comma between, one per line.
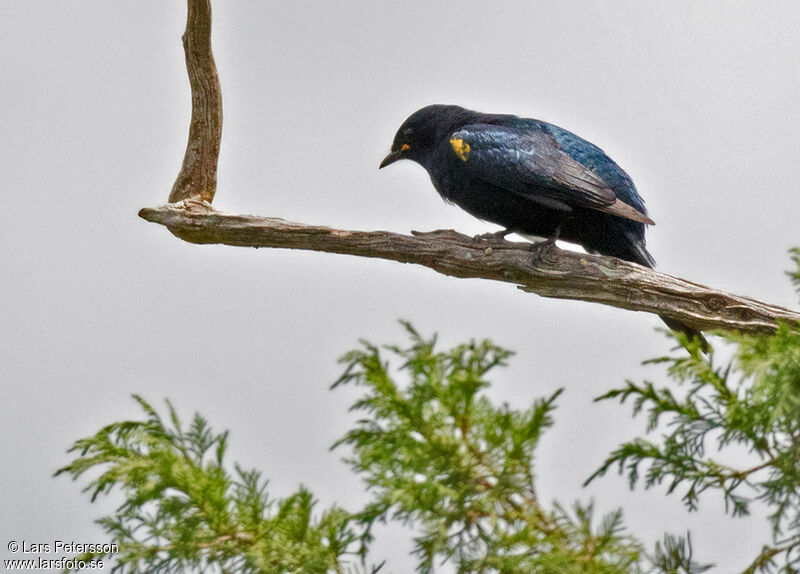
x=407, y=133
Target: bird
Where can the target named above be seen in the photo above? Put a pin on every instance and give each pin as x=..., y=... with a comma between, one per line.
x=532, y=178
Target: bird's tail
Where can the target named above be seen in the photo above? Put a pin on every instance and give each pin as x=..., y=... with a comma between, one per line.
x=638, y=253
x=690, y=332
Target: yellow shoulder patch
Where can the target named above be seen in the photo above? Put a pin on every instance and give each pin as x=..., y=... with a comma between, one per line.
x=460, y=147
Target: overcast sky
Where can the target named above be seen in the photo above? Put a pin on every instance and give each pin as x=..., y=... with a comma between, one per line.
x=698, y=101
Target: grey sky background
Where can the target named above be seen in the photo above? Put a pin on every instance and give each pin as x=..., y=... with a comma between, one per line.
x=698, y=101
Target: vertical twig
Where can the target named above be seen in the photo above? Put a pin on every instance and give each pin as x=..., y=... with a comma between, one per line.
x=198, y=176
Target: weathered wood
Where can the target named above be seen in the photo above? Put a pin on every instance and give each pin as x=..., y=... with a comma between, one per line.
x=552, y=273
x=198, y=176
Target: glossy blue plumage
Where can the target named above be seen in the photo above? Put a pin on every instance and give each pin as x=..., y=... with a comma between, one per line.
x=592, y=156
x=530, y=177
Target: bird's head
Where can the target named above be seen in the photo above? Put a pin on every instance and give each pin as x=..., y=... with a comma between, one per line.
x=423, y=131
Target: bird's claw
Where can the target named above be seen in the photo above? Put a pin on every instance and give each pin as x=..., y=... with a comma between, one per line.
x=493, y=236
x=544, y=252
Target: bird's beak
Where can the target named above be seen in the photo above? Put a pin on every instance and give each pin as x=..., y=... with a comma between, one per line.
x=390, y=159
x=393, y=156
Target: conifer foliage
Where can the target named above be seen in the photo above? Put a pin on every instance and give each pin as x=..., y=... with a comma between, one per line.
x=752, y=401
x=185, y=510
x=436, y=453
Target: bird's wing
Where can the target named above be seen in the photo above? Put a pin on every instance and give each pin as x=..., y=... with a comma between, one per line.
x=529, y=162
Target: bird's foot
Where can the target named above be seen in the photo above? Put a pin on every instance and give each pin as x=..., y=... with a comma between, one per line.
x=494, y=236
x=544, y=252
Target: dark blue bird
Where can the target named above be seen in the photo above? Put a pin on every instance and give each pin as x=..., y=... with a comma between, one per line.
x=530, y=177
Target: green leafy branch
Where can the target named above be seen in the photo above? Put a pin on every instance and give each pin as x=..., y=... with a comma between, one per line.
x=183, y=510
x=753, y=401
x=437, y=452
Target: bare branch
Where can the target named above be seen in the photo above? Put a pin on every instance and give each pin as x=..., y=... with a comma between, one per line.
x=198, y=176
x=556, y=273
